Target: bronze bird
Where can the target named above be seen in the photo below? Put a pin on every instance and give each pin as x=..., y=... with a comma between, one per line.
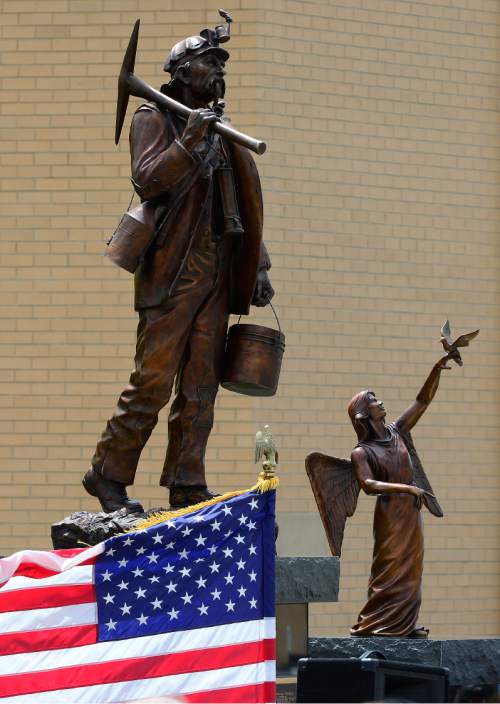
x=451, y=346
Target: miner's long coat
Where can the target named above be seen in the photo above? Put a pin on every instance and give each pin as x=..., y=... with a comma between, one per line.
x=166, y=174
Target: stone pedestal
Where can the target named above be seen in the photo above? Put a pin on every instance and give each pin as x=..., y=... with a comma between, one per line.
x=471, y=662
x=300, y=581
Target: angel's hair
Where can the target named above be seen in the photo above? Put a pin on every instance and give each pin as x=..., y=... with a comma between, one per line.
x=358, y=410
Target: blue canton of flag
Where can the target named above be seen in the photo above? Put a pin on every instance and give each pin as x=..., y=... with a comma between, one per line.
x=211, y=567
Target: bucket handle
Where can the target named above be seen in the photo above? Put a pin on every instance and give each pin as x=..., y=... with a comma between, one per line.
x=275, y=315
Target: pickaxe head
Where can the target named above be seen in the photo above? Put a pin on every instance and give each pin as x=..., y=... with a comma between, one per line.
x=126, y=72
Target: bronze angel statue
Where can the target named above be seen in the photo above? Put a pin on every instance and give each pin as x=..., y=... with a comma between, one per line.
x=383, y=463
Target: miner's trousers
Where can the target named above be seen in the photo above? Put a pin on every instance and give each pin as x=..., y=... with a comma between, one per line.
x=182, y=340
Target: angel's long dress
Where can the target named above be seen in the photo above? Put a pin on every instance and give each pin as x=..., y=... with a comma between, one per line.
x=394, y=595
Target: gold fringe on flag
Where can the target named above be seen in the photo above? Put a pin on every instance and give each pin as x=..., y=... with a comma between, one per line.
x=265, y=482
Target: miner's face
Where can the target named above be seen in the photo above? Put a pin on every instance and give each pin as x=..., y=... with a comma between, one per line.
x=375, y=408
x=206, y=73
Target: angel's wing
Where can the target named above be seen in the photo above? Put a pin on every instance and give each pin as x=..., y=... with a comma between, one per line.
x=446, y=332
x=336, y=491
x=420, y=477
x=463, y=340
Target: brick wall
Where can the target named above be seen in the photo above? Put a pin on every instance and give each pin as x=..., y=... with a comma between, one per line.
x=381, y=186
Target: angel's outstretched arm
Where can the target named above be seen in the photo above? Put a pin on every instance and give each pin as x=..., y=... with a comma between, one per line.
x=370, y=485
x=414, y=412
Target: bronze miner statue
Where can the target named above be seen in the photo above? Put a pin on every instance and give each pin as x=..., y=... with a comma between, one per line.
x=206, y=259
x=385, y=463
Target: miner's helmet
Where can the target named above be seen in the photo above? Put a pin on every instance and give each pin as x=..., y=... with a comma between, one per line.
x=207, y=40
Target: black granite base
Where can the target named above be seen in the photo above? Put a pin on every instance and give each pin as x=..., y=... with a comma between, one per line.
x=470, y=661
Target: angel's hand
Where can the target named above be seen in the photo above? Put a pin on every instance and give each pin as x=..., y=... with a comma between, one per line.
x=442, y=363
x=418, y=493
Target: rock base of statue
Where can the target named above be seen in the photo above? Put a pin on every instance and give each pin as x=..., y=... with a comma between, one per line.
x=82, y=528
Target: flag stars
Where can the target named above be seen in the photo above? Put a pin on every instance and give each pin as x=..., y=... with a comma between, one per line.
x=229, y=578
x=215, y=525
x=125, y=609
x=227, y=510
x=253, y=603
x=251, y=525
x=141, y=593
x=156, y=604
x=171, y=586
x=230, y=605
x=253, y=576
x=214, y=567
x=216, y=594
x=252, y=550
x=239, y=539
x=170, y=545
x=122, y=562
x=111, y=552
x=184, y=554
x=203, y=610
x=109, y=598
x=153, y=558
x=137, y=572
x=242, y=591
x=111, y=625
x=157, y=538
x=142, y=620
x=187, y=598
x=128, y=541
x=200, y=540
x=254, y=504
x=187, y=531
x=154, y=579
x=212, y=549
x=185, y=572
x=168, y=568
x=227, y=552
x=201, y=582
x=243, y=519
x=123, y=585
x=241, y=564
x=173, y=614
x=141, y=550
x=106, y=576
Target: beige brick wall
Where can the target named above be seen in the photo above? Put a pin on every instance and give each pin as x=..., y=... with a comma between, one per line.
x=381, y=187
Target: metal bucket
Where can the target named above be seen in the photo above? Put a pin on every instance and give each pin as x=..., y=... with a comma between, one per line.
x=253, y=359
x=132, y=237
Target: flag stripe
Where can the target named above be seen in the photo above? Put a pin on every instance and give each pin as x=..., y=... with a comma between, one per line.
x=260, y=692
x=134, y=668
x=205, y=682
x=40, y=619
x=39, y=564
x=145, y=646
x=77, y=575
x=51, y=639
x=46, y=598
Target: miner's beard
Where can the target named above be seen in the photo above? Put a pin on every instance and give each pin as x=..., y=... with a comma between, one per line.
x=217, y=88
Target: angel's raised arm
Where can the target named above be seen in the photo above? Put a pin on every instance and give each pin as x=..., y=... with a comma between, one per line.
x=414, y=412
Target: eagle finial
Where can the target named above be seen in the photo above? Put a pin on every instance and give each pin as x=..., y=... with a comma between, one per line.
x=265, y=450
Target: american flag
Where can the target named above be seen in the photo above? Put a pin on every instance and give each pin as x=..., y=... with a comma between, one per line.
x=182, y=608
